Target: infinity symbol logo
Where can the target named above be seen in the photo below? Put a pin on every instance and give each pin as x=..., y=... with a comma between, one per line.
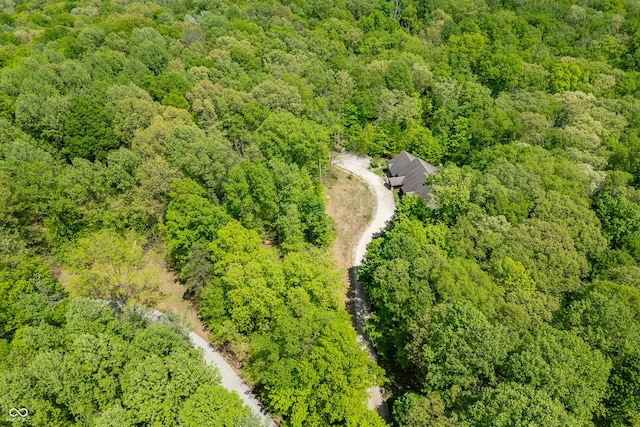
x=22, y=412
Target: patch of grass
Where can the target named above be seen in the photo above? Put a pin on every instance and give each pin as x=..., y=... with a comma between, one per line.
x=350, y=205
x=379, y=172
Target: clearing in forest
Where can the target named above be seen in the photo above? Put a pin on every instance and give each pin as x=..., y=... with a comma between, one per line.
x=350, y=205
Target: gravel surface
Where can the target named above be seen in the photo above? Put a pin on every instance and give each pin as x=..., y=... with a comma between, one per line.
x=385, y=207
x=229, y=379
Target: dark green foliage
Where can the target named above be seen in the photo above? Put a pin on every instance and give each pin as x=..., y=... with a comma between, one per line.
x=415, y=410
x=25, y=280
x=88, y=131
x=514, y=404
x=196, y=273
x=149, y=47
x=562, y=365
x=166, y=84
x=251, y=194
x=458, y=348
x=624, y=393
x=399, y=77
x=191, y=219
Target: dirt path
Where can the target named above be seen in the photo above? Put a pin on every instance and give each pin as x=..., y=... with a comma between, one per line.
x=385, y=207
x=229, y=379
x=352, y=206
x=199, y=337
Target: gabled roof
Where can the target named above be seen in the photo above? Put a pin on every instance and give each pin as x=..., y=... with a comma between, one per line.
x=396, y=181
x=413, y=172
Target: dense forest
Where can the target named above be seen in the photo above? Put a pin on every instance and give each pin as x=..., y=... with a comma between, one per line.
x=512, y=297
x=198, y=131
x=135, y=131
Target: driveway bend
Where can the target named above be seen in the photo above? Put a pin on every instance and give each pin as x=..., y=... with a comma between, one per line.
x=228, y=377
x=385, y=207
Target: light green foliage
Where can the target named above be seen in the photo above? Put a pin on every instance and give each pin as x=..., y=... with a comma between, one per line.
x=312, y=270
x=466, y=50
x=94, y=365
x=247, y=276
x=108, y=266
x=205, y=158
x=451, y=192
x=562, y=365
x=423, y=144
x=582, y=223
x=565, y=76
x=278, y=96
x=501, y=72
x=284, y=136
x=209, y=124
x=151, y=141
x=512, y=275
x=132, y=114
x=548, y=252
x=302, y=351
x=312, y=369
x=620, y=220
x=212, y=406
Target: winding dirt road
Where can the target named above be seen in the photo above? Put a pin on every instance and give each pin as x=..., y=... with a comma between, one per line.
x=229, y=379
x=385, y=207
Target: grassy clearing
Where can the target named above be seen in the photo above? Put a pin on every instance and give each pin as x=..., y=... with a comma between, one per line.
x=351, y=205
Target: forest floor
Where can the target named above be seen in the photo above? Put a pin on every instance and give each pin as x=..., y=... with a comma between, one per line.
x=173, y=302
x=188, y=315
x=182, y=308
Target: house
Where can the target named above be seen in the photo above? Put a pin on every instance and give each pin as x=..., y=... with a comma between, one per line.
x=406, y=173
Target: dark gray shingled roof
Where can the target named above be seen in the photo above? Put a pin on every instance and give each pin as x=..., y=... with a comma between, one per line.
x=396, y=181
x=413, y=171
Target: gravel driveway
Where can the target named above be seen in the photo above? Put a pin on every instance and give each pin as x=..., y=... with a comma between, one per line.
x=385, y=207
x=228, y=377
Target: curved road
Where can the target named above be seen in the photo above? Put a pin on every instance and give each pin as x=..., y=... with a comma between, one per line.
x=385, y=207
x=228, y=377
